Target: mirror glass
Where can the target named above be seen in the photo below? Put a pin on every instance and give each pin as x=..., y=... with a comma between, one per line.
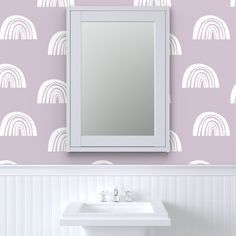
x=117, y=76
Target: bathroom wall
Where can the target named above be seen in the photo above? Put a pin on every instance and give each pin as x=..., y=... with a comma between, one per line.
x=32, y=83
x=201, y=201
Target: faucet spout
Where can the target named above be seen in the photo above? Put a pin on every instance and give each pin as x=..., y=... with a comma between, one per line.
x=116, y=195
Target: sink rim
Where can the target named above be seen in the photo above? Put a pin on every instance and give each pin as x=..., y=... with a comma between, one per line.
x=71, y=215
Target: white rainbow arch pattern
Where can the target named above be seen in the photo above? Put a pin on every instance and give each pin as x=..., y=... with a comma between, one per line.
x=232, y=3
x=55, y=3
x=17, y=28
x=211, y=124
x=57, y=140
x=211, y=28
x=200, y=76
x=11, y=77
x=17, y=124
x=199, y=162
x=175, y=144
x=233, y=95
x=52, y=92
x=150, y=3
x=57, y=44
x=175, y=47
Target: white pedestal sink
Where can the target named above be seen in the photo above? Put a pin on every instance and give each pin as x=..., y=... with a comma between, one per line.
x=115, y=219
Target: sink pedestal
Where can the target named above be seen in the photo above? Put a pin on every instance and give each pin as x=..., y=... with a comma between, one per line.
x=115, y=231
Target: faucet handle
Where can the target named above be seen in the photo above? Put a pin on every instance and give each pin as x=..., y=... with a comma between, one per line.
x=103, y=196
x=128, y=196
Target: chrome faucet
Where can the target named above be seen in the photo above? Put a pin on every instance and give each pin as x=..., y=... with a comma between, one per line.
x=128, y=196
x=103, y=196
x=116, y=195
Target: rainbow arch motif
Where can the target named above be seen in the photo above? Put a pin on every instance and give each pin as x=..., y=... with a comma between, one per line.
x=211, y=124
x=55, y=3
x=57, y=44
x=211, y=28
x=17, y=124
x=198, y=162
x=11, y=77
x=232, y=3
x=200, y=76
x=52, y=92
x=233, y=95
x=17, y=28
x=160, y=3
x=175, y=47
x=57, y=140
x=175, y=144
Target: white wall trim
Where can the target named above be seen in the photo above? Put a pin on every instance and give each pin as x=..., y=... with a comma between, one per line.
x=200, y=200
x=119, y=170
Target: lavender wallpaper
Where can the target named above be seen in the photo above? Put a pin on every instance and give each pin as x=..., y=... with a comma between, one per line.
x=33, y=88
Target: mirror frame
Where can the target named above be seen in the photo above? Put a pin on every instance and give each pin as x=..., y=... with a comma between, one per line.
x=160, y=16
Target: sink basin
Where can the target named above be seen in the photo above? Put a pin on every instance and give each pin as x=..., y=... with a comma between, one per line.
x=116, y=208
x=112, y=214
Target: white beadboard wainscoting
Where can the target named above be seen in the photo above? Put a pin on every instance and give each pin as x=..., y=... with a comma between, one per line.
x=201, y=200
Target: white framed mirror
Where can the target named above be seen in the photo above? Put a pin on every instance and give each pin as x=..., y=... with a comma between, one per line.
x=118, y=79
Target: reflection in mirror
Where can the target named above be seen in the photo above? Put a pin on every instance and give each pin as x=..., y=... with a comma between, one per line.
x=117, y=78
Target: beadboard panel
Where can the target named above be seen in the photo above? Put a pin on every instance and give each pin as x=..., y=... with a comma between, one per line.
x=198, y=205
